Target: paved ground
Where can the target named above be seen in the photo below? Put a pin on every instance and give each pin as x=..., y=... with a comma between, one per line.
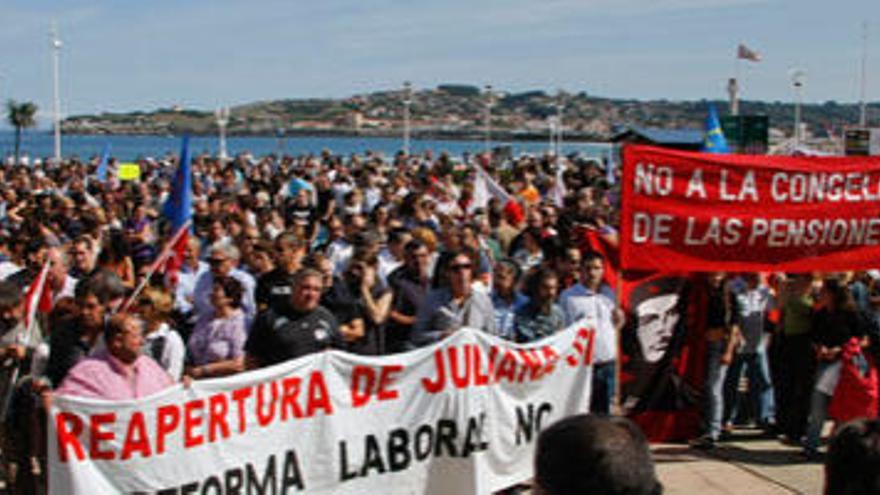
x=746, y=464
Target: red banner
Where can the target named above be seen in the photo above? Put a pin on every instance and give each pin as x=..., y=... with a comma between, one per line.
x=687, y=211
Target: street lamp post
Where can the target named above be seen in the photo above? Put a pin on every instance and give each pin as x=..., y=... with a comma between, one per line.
x=559, y=109
x=56, y=96
x=551, y=126
x=222, y=115
x=798, y=77
x=407, y=101
x=490, y=101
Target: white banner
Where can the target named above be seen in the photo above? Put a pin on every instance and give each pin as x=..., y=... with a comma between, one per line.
x=461, y=416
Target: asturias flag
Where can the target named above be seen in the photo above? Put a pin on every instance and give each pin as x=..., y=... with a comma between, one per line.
x=714, y=141
x=178, y=208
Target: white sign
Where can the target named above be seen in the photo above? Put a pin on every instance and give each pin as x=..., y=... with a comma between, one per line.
x=461, y=416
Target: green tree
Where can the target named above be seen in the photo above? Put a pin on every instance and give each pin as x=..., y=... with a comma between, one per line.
x=21, y=116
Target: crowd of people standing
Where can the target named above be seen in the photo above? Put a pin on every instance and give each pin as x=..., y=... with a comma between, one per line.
x=294, y=255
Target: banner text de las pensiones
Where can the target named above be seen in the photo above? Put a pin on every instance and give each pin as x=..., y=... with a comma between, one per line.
x=690, y=211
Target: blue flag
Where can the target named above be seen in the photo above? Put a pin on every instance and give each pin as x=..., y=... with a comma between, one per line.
x=714, y=141
x=178, y=207
x=102, y=165
x=297, y=185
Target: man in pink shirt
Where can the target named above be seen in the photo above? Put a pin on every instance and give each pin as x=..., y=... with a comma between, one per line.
x=119, y=372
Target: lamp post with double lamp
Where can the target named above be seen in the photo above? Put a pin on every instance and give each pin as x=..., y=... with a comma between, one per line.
x=798, y=78
x=490, y=102
x=407, y=101
x=56, y=92
x=222, y=116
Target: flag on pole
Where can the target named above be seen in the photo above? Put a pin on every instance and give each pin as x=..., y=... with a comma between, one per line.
x=101, y=173
x=714, y=141
x=37, y=298
x=746, y=53
x=485, y=188
x=178, y=209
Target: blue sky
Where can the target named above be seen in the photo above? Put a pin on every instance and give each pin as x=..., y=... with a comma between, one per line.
x=126, y=55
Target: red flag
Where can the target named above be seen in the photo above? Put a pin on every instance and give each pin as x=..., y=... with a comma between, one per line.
x=38, y=297
x=176, y=255
x=747, y=53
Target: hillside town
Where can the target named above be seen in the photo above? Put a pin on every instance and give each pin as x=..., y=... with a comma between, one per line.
x=459, y=111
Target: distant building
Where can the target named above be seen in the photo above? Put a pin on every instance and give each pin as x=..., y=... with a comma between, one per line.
x=681, y=139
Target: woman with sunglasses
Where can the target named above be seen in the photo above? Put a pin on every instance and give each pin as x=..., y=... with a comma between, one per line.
x=455, y=304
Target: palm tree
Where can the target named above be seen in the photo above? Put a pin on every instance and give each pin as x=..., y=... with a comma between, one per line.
x=21, y=116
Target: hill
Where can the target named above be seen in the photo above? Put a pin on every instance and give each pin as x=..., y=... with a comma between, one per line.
x=457, y=111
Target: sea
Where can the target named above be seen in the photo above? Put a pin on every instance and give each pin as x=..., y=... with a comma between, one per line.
x=39, y=144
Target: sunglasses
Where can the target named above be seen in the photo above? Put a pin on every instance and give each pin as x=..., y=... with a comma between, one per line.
x=460, y=267
x=216, y=261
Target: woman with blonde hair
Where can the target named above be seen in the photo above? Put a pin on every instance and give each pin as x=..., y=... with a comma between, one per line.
x=161, y=342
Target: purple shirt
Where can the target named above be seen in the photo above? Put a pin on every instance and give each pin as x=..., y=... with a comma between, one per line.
x=102, y=376
x=218, y=339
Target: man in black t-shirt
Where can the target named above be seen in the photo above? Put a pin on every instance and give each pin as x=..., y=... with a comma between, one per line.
x=305, y=328
x=275, y=288
x=300, y=209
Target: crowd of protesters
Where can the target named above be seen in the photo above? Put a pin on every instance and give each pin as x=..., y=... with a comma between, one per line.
x=294, y=255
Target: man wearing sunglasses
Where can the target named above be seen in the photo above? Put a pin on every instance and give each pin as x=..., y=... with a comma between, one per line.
x=454, y=305
x=223, y=260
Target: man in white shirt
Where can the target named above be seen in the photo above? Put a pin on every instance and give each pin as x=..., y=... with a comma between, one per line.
x=60, y=282
x=592, y=298
x=391, y=257
x=190, y=271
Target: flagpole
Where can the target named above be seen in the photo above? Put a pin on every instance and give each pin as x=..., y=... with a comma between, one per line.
x=734, y=87
x=618, y=367
x=163, y=256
